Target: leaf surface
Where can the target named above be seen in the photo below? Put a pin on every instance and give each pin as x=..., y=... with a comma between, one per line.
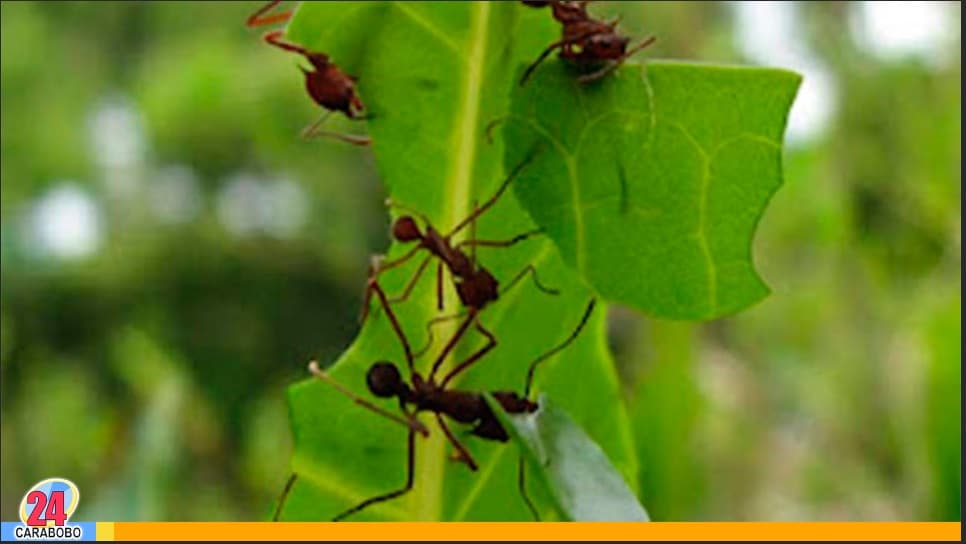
x=657, y=177
x=433, y=75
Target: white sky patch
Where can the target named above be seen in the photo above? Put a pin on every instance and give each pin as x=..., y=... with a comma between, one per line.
x=118, y=144
x=769, y=34
x=248, y=205
x=897, y=30
x=239, y=204
x=66, y=223
x=289, y=208
x=174, y=195
x=117, y=134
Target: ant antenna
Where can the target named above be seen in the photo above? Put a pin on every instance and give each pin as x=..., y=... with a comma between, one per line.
x=554, y=351
x=521, y=471
x=499, y=192
x=390, y=203
x=650, y=40
x=411, y=423
x=284, y=496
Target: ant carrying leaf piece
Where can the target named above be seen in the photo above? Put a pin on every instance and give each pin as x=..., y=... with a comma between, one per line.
x=475, y=284
x=420, y=394
x=325, y=82
x=586, y=42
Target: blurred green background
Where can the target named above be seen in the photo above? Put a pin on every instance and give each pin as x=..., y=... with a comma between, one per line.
x=173, y=253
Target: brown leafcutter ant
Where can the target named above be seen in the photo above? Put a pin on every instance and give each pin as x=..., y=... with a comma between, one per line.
x=420, y=394
x=325, y=82
x=475, y=285
x=586, y=42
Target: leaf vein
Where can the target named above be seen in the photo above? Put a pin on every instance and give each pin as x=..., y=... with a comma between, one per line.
x=701, y=234
x=433, y=30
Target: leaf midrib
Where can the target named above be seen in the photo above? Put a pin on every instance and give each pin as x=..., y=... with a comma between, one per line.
x=458, y=187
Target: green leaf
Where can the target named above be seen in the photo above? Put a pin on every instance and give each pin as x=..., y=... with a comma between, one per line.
x=583, y=483
x=656, y=178
x=433, y=75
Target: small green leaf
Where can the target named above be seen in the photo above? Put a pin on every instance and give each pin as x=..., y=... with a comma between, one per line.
x=583, y=483
x=656, y=178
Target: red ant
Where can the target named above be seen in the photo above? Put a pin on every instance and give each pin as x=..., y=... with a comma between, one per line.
x=326, y=83
x=426, y=395
x=475, y=285
x=585, y=41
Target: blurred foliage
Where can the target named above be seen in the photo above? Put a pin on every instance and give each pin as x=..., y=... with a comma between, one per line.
x=152, y=371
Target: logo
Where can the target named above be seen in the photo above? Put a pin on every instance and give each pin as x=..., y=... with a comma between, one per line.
x=45, y=511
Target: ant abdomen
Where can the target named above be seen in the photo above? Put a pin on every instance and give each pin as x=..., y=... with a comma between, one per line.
x=478, y=290
x=490, y=429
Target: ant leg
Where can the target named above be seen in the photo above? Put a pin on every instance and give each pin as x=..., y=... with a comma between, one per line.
x=376, y=288
x=275, y=38
x=284, y=496
x=499, y=243
x=588, y=78
x=541, y=58
x=413, y=424
x=439, y=286
x=412, y=281
x=475, y=215
x=429, y=331
x=536, y=281
x=555, y=45
x=522, y=485
x=371, y=276
x=393, y=264
x=310, y=130
x=462, y=453
x=470, y=318
x=410, y=471
x=259, y=18
x=492, y=200
x=375, y=269
x=490, y=344
x=313, y=131
x=615, y=21
x=557, y=349
x=600, y=74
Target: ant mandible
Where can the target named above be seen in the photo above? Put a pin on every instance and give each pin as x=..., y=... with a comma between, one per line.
x=326, y=83
x=427, y=395
x=585, y=41
x=475, y=285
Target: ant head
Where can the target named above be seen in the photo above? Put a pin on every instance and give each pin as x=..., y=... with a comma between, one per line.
x=319, y=61
x=384, y=380
x=608, y=46
x=405, y=229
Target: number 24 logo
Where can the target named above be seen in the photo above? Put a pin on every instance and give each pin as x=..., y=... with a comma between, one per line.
x=49, y=501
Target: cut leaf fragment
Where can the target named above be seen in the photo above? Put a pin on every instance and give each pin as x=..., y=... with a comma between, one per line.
x=582, y=482
x=656, y=178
